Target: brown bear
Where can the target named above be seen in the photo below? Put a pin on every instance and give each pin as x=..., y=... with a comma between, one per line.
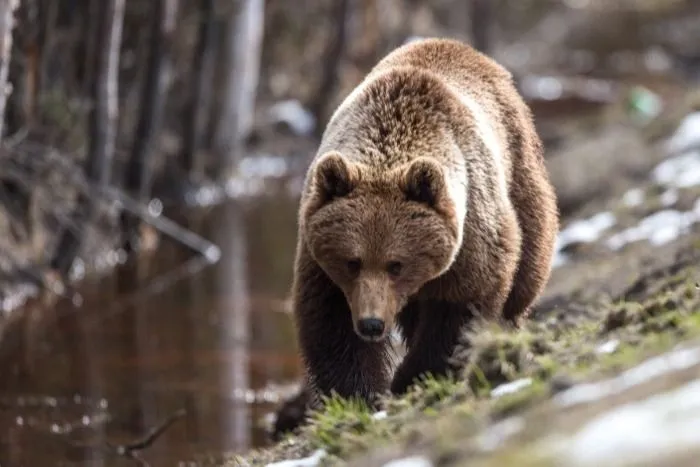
x=427, y=204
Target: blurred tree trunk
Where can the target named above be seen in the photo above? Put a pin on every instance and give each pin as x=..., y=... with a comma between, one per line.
x=90, y=45
x=48, y=12
x=200, y=89
x=241, y=70
x=153, y=94
x=7, y=10
x=24, y=72
x=331, y=64
x=481, y=21
x=104, y=90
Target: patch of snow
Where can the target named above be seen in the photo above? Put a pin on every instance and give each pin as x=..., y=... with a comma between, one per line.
x=585, y=230
x=640, y=432
x=680, y=172
x=582, y=230
x=294, y=115
x=633, y=197
x=669, y=197
x=381, y=415
x=495, y=435
x=312, y=461
x=412, y=461
x=658, y=228
x=652, y=368
x=608, y=347
x=511, y=387
x=687, y=134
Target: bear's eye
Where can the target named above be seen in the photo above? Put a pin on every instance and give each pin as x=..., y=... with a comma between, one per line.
x=394, y=268
x=354, y=266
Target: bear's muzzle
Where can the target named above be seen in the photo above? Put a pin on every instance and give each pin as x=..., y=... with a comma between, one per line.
x=373, y=304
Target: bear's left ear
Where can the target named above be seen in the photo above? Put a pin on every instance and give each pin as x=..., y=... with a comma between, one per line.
x=424, y=182
x=333, y=176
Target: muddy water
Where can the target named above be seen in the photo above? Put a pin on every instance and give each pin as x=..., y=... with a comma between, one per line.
x=145, y=344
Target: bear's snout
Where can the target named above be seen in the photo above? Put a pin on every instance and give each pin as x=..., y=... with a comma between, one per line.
x=370, y=328
x=373, y=303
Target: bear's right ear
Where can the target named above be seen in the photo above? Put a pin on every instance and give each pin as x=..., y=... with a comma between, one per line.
x=333, y=177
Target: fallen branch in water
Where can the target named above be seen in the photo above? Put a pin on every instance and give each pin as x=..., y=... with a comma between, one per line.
x=131, y=450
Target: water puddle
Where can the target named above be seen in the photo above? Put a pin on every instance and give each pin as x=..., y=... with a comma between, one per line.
x=166, y=359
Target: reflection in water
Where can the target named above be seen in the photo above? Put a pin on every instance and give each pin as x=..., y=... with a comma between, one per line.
x=232, y=284
x=152, y=339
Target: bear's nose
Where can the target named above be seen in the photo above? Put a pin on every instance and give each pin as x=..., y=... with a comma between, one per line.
x=370, y=327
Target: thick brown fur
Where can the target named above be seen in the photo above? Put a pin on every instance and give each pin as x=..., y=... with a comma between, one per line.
x=434, y=129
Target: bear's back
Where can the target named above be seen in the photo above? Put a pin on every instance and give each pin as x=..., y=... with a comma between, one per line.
x=456, y=62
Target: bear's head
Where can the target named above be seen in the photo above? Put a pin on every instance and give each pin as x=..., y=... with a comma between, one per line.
x=381, y=235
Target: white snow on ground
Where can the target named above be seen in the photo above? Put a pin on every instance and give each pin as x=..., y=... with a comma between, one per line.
x=639, y=432
x=658, y=228
x=582, y=230
x=608, y=347
x=511, y=387
x=669, y=197
x=312, y=461
x=586, y=230
x=633, y=197
x=653, y=368
x=680, y=171
x=687, y=134
x=412, y=461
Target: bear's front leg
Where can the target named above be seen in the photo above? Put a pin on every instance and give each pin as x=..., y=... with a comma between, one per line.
x=336, y=359
x=440, y=324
